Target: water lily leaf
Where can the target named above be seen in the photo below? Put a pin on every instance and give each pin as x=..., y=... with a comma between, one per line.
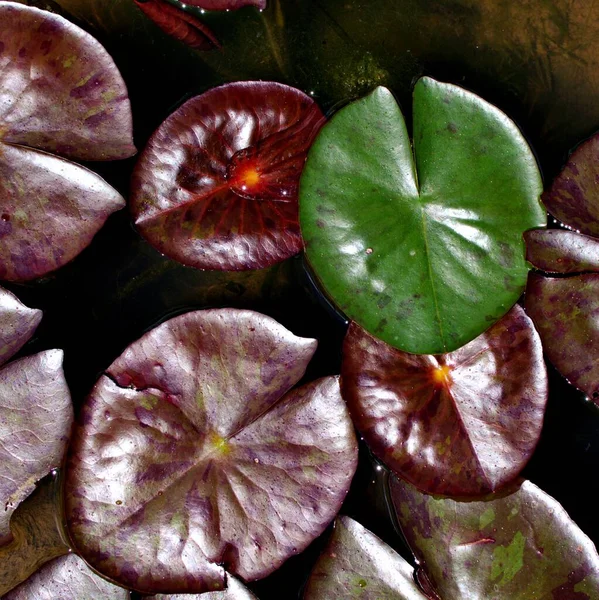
x=357, y=564
x=573, y=197
x=216, y=186
x=187, y=460
x=561, y=251
x=226, y=4
x=17, y=324
x=516, y=546
x=235, y=591
x=564, y=311
x=35, y=422
x=67, y=578
x=60, y=90
x=422, y=251
x=463, y=423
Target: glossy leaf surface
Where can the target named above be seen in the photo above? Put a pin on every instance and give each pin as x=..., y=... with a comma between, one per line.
x=187, y=458
x=17, y=324
x=35, y=423
x=573, y=197
x=564, y=311
x=463, y=423
x=561, y=251
x=424, y=252
x=235, y=591
x=516, y=546
x=216, y=186
x=67, y=578
x=357, y=564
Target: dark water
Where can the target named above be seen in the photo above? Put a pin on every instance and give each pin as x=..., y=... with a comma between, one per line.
x=537, y=60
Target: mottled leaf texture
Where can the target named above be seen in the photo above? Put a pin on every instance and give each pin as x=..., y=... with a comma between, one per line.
x=520, y=545
x=35, y=422
x=573, y=197
x=66, y=578
x=60, y=92
x=423, y=250
x=179, y=24
x=561, y=251
x=463, y=423
x=357, y=564
x=565, y=312
x=226, y=4
x=235, y=591
x=17, y=324
x=216, y=186
x=191, y=457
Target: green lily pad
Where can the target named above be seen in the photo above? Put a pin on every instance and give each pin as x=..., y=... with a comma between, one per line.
x=423, y=250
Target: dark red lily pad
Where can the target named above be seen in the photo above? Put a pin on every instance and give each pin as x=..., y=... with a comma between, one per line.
x=235, y=591
x=17, y=324
x=35, y=422
x=565, y=312
x=463, y=423
x=561, y=251
x=67, y=578
x=187, y=460
x=216, y=186
x=517, y=545
x=357, y=564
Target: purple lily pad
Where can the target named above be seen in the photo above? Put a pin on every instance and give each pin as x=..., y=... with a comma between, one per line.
x=35, y=422
x=357, y=564
x=235, y=591
x=517, y=545
x=561, y=251
x=17, y=324
x=190, y=456
x=67, y=578
x=463, y=423
x=216, y=186
x=565, y=311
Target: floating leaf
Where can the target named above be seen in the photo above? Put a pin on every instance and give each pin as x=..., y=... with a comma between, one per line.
x=424, y=252
x=35, y=423
x=17, y=324
x=357, y=564
x=517, y=546
x=463, y=423
x=564, y=311
x=216, y=187
x=67, y=578
x=234, y=591
x=187, y=460
x=573, y=197
x=560, y=251
x=60, y=92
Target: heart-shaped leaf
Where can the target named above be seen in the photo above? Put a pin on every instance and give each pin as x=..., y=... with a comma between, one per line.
x=516, y=546
x=573, y=197
x=35, y=423
x=188, y=460
x=67, y=578
x=60, y=92
x=424, y=252
x=216, y=187
x=463, y=423
x=564, y=311
x=561, y=251
x=357, y=564
x=234, y=591
x=17, y=324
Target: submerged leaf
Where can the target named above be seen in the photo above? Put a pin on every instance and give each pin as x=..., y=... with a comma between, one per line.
x=17, y=324
x=67, y=578
x=357, y=564
x=463, y=423
x=35, y=422
x=516, y=546
x=560, y=251
x=187, y=460
x=565, y=311
x=421, y=250
x=216, y=186
x=573, y=197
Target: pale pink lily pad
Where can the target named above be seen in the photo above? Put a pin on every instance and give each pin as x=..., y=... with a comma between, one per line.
x=235, y=591
x=190, y=456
